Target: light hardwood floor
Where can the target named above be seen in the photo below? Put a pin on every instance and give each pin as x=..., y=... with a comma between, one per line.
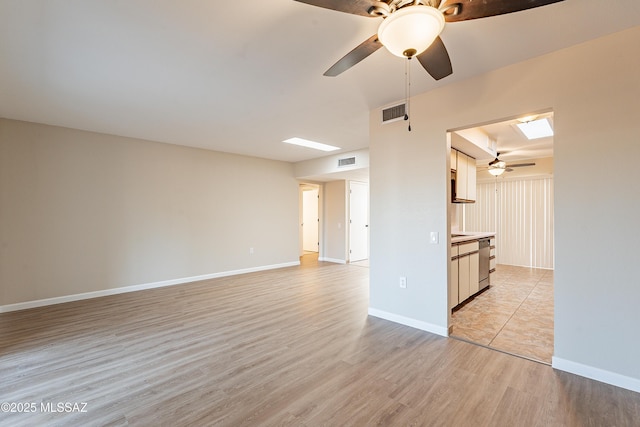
x=285, y=347
x=514, y=315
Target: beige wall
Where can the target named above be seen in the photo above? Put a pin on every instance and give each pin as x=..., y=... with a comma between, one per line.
x=85, y=212
x=594, y=91
x=328, y=165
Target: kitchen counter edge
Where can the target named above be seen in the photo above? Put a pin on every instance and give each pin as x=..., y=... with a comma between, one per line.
x=468, y=236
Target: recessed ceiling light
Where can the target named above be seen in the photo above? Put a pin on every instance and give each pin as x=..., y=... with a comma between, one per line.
x=536, y=129
x=310, y=144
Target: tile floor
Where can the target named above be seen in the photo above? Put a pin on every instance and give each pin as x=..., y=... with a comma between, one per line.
x=514, y=315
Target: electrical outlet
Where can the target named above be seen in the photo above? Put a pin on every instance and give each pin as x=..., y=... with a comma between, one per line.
x=250, y=251
x=403, y=282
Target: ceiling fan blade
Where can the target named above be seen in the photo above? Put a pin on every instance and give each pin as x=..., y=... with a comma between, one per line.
x=365, y=49
x=436, y=60
x=355, y=7
x=521, y=165
x=474, y=9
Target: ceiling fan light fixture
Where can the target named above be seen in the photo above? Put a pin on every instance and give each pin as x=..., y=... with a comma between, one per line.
x=497, y=166
x=496, y=171
x=498, y=163
x=411, y=30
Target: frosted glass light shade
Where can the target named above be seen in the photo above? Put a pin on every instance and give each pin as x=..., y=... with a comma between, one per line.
x=411, y=30
x=496, y=171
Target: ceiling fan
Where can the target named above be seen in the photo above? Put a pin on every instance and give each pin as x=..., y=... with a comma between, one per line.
x=498, y=167
x=412, y=27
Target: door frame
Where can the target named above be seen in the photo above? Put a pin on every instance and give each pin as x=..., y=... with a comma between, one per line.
x=366, y=185
x=301, y=186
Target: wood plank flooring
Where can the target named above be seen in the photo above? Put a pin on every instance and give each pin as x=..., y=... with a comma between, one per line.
x=514, y=315
x=285, y=347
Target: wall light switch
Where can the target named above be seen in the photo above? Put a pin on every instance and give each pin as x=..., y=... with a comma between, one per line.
x=434, y=237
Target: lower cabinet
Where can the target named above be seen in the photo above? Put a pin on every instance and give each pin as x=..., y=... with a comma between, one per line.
x=492, y=255
x=465, y=272
x=453, y=284
x=474, y=273
x=464, y=278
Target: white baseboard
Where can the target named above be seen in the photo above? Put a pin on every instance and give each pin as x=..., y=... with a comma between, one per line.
x=337, y=261
x=407, y=321
x=114, y=291
x=597, y=374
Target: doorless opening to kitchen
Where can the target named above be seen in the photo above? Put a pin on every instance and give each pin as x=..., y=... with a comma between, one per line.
x=502, y=191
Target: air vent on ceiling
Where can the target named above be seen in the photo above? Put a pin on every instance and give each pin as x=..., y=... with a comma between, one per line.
x=393, y=114
x=347, y=161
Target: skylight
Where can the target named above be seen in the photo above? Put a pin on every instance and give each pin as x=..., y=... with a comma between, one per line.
x=536, y=129
x=310, y=144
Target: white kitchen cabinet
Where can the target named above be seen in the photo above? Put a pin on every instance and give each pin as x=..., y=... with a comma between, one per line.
x=474, y=273
x=461, y=176
x=471, y=178
x=465, y=272
x=492, y=255
x=465, y=176
x=454, y=298
x=464, y=280
x=468, y=247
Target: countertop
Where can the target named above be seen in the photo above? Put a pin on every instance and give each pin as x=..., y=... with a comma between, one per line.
x=465, y=236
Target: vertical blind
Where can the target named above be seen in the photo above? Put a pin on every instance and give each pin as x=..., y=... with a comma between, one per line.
x=521, y=214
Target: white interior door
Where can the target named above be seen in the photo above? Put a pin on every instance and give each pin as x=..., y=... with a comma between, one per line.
x=310, y=220
x=358, y=221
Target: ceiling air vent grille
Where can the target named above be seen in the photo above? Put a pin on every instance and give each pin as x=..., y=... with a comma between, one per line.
x=346, y=162
x=393, y=114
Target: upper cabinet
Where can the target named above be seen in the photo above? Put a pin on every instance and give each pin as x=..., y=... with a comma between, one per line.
x=465, y=177
x=471, y=179
x=454, y=159
x=462, y=177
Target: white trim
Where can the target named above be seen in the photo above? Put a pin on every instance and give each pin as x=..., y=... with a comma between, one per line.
x=418, y=324
x=121, y=290
x=597, y=374
x=337, y=261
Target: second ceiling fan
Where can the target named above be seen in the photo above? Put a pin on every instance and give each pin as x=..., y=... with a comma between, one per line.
x=411, y=28
x=497, y=167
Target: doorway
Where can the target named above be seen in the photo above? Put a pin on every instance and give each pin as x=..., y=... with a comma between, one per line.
x=310, y=219
x=515, y=314
x=358, y=221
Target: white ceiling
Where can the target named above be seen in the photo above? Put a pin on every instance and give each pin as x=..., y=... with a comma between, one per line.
x=512, y=145
x=241, y=76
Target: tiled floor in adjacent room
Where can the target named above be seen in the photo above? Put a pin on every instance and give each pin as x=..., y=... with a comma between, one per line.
x=514, y=315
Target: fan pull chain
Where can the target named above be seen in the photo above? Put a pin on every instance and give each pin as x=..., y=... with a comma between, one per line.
x=407, y=90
